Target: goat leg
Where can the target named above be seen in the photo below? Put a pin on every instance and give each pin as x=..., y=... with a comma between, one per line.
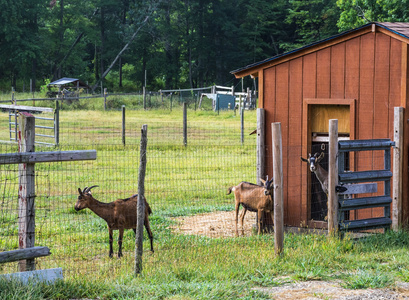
x=148, y=230
x=237, y=216
x=121, y=234
x=259, y=215
x=111, y=251
x=242, y=219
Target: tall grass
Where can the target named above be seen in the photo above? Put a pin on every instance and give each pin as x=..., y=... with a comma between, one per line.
x=181, y=181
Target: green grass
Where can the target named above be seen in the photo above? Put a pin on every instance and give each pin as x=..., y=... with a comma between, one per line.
x=180, y=181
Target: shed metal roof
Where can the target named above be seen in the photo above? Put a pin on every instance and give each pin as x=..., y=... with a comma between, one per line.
x=69, y=81
x=399, y=28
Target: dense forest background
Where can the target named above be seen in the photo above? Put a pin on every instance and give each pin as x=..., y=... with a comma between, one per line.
x=168, y=43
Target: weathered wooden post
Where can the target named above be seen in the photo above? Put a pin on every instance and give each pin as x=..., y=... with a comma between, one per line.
x=185, y=123
x=141, y=202
x=144, y=97
x=397, y=169
x=242, y=125
x=278, y=188
x=123, y=125
x=105, y=98
x=26, y=191
x=57, y=123
x=261, y=160
x=333, y=177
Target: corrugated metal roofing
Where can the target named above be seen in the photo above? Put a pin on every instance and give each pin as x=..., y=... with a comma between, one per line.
x=399, y=28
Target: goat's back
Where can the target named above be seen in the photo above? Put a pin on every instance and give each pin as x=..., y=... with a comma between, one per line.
x=252, y=196
x=125, y=212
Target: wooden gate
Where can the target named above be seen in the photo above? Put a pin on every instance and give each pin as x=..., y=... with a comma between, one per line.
x=362, y=182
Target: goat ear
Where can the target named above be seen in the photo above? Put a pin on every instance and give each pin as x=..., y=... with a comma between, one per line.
x=262, y=181
x=303, y=159
x=79, y=191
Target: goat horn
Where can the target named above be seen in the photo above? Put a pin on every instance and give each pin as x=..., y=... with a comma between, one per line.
x=89, y=189
x=84, y=190
x=321, y=156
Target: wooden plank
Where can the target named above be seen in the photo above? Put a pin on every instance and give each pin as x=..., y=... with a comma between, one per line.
x=359, y=188
x=26, y=190
x=26, y=108
x=362, y=176
x=397, y=169
x=365, y=107
x=270, y=107
x=294, y=170
x=309, y=92
x=352, y=65
x=282, y=116
x=338, y=71
x=261, y=145
x=52, y=156
x=324, y=73
x=20, y=254
x=45, y=276
x=365, y=202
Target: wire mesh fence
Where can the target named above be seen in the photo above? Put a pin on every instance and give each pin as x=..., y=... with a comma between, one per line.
x=185, y=187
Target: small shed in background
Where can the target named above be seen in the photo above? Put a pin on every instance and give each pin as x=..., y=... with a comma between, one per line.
x=357, y=77
x=70, y=85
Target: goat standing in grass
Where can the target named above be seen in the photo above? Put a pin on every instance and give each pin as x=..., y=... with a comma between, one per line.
x=254, y=198
x=119, y=215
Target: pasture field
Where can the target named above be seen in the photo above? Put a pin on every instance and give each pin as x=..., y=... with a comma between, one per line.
x=181, y=182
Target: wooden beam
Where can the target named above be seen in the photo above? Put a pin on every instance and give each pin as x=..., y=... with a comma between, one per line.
x=397, y=169
x=26, y=190
x=278, y=188
x=46, y=276
x=20, y=254
x=53, y=156
x=26, y=108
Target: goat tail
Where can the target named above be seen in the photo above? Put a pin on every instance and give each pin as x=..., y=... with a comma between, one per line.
x=229, y=190
x=148, y=207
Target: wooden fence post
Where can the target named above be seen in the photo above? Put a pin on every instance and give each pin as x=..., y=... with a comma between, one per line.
x=333, y=177
x=57, y=123
x=261, y=160
x=144, y=97
x=123, y=125
x=185, y=123
x=141, y=202
x=397, y=169
x=105, y=98
x=242, y=125
x=278, y=189
x=26, y=191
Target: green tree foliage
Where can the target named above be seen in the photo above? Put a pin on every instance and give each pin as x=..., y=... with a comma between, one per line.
x=356, y=13
x=183, y=43
x=314, y=20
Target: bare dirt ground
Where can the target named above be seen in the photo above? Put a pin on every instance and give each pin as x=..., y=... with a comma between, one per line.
x=222, y=224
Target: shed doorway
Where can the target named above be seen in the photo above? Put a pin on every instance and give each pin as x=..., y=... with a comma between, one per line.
x=317, y=113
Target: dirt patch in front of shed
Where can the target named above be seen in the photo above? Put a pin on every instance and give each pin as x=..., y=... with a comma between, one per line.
x=214, y=224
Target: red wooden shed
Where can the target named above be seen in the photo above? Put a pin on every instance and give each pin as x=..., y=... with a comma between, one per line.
x=357, y=77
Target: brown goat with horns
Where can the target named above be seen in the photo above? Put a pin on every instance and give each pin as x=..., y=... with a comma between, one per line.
x=255, y=198
x=119, y=215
